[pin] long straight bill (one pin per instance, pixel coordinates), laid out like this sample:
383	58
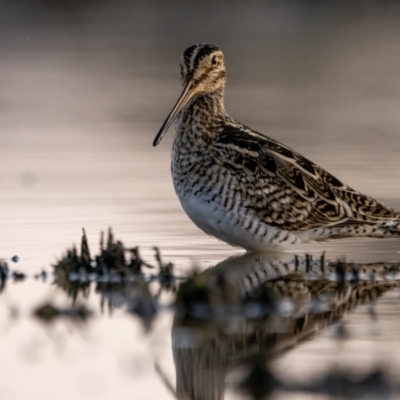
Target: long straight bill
182	101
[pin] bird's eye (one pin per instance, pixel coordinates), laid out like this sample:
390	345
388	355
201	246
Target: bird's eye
214	60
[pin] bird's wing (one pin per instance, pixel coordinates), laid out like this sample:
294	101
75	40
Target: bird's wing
286	189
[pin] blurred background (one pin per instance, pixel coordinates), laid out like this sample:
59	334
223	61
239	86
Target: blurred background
86	84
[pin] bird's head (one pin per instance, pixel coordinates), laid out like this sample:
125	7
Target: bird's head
202	72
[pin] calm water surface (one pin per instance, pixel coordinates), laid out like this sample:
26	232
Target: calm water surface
75	151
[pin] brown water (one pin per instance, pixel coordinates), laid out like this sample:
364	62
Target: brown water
79	111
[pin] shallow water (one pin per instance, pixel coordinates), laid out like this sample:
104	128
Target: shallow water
79	111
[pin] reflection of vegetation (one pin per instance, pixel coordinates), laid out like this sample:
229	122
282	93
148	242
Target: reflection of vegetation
48	313
114	263
135	296
117	273
3	274
6	273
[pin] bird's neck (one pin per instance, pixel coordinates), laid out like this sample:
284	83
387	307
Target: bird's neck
200	119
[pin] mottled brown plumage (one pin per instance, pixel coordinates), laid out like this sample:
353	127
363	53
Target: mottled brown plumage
248	189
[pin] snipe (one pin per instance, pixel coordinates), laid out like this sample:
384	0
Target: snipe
248	189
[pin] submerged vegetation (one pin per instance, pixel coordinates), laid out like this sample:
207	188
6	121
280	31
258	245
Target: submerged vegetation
114	269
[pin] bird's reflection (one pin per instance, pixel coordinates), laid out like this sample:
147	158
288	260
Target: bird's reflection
261	305
244	311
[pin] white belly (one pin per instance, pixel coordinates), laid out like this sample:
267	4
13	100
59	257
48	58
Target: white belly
232	227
